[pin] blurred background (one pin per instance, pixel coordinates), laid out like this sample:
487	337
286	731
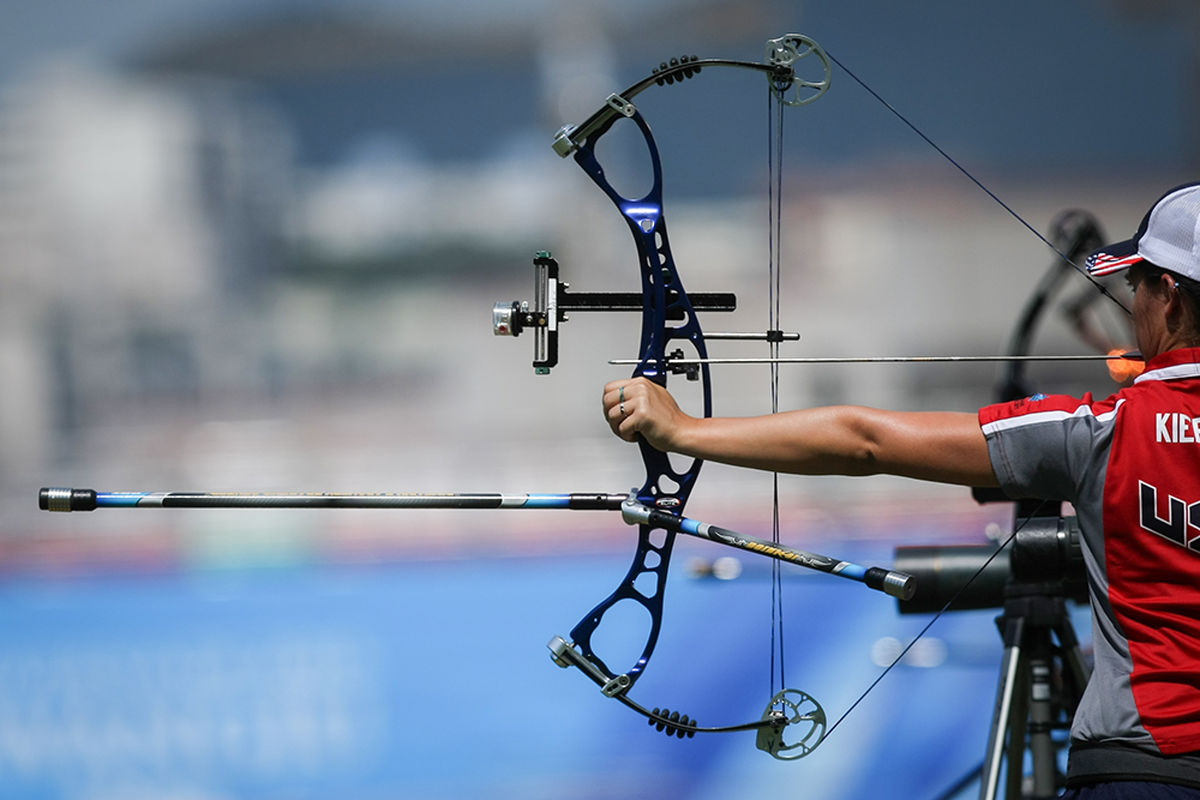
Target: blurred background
253	245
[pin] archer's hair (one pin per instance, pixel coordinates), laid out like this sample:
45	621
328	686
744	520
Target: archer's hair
1189	289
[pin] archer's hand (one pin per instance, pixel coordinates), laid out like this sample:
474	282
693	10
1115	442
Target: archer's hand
640	406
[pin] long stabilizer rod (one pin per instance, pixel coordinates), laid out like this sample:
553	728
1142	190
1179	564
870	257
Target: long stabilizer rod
897	584
50	499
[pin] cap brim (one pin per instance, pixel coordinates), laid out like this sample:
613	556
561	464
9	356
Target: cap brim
1113	258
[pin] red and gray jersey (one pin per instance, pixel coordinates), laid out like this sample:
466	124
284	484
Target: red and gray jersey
1130	465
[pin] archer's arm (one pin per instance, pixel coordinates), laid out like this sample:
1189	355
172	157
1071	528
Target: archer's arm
834	440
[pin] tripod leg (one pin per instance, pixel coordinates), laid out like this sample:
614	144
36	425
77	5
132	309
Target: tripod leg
1018	721
1005	711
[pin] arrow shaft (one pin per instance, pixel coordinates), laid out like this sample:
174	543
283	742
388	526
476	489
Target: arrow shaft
881	359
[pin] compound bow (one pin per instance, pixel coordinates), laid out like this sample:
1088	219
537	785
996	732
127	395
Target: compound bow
668	320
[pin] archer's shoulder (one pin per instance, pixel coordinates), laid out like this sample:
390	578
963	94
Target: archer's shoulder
1044	408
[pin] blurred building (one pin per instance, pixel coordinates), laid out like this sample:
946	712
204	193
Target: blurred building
141	221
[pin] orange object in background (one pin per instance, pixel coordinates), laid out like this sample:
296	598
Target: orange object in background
1124	370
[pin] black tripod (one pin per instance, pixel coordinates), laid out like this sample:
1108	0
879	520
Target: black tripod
1043	672
1040	687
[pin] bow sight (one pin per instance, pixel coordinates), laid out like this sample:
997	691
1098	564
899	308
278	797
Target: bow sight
552	301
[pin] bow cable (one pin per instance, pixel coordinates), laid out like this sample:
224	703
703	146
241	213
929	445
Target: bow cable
774	258
1019	525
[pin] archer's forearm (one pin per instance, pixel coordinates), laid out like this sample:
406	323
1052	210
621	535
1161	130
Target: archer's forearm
845	440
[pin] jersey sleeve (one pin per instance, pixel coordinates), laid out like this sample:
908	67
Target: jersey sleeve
1048	446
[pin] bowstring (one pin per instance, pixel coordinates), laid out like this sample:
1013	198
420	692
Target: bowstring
978	183
775	112
940	613
1023	522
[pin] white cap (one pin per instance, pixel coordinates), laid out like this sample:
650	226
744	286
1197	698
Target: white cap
1169	238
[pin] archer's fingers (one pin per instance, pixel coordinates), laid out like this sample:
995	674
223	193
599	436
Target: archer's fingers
620	405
